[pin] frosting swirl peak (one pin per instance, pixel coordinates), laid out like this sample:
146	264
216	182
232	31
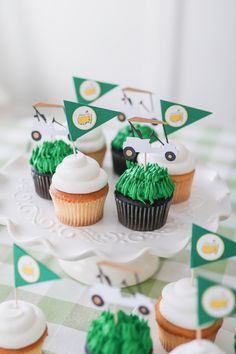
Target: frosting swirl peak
20	326
79	174
198	347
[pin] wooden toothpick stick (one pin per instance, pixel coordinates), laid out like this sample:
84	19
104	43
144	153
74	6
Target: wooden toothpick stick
16	299
199	333
145	162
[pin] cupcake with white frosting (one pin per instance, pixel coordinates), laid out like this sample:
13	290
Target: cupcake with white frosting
176	315
93	145
78	190
23	328
198	346
181	170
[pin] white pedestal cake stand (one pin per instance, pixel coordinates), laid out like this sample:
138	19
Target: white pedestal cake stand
31	222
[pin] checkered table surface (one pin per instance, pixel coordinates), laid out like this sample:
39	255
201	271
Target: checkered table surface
65	302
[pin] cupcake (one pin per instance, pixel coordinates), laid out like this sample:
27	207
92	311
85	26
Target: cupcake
129	334
198	346
118	159
181	170
93	145
44	160
176	315
23	329
78	190
143	198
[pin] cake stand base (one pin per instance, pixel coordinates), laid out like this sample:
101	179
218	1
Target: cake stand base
86	270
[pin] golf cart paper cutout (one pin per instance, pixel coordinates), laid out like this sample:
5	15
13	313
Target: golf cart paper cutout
44	127
83	118
136	144
208	247
87	91
132	107
215	300
28	270
178	116
104	294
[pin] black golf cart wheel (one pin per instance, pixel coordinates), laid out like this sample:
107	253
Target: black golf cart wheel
170	156
36	135
144	310
129	153
121	117
97	300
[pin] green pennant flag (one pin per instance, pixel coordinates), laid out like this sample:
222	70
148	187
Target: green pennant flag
215	300
81	119
178	116
88	90
28	270
208	247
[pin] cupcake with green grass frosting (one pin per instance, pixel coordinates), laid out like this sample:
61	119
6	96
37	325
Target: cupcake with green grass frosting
119	162
143	197
129	335
44	160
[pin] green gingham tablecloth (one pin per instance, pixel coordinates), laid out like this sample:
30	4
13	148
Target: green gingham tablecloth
65	302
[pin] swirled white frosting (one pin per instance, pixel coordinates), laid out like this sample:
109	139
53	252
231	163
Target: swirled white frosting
179	304
79	174
183	163
20	326
91	142
198	347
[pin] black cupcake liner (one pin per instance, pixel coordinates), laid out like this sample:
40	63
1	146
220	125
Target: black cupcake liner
138	216
119	162
42	183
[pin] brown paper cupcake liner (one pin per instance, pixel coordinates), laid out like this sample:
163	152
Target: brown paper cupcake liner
183	186
42	183
98	155
35	348
172	336
139	216
79	210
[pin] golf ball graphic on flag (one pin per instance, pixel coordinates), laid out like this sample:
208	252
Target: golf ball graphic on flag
84	118
28	269
176	116
218	301
90	90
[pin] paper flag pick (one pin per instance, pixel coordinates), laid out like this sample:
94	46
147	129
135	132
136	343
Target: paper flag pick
28	270
88	90
208	247
178	116
215	300
81	119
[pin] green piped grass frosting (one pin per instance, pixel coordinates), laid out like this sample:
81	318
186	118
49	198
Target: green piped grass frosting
130	335
145	186
147	132
46	157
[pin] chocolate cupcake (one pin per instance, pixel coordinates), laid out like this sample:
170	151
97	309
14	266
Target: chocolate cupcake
129	334
143	198
119	162
44	160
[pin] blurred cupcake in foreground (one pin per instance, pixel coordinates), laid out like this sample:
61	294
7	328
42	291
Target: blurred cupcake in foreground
78	190
23	329
181	170
44	160
143	198
198	346
118	159
176	315
93	144
129	334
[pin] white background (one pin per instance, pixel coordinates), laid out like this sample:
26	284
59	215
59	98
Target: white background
184	50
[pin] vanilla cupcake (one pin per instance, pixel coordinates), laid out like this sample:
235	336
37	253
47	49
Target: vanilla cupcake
78	190
198	346
176	315
181	170
23	329
93	145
